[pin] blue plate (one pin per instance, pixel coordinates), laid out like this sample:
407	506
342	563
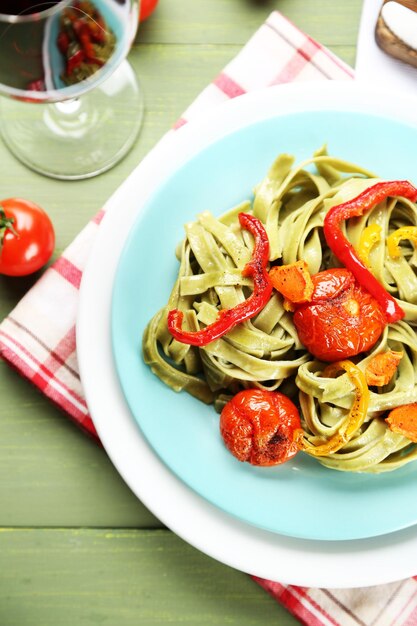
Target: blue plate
301	498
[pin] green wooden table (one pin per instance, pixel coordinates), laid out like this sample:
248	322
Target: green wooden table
76	547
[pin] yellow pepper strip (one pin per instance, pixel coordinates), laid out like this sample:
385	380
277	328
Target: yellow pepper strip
353	421
370	236
406	232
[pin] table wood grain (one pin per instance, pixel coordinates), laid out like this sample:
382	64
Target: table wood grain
76	547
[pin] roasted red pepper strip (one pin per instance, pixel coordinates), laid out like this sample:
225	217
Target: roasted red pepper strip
63	42
82	30
344	250
229	318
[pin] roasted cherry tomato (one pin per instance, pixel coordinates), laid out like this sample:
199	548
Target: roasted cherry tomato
259	427
341	320
146	8
27	237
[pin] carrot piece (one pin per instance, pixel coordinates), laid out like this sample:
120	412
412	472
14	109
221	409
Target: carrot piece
382	367
293	281
403	420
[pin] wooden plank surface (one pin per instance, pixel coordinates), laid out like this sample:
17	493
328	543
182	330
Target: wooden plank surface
234	21
63	558
111	577
51	474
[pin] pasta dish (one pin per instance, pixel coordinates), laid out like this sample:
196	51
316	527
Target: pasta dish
294	313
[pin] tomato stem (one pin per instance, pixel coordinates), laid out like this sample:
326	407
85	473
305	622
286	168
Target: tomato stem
6	223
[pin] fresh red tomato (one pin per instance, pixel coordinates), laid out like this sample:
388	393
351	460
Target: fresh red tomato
259	426
341	320
27	237
146	8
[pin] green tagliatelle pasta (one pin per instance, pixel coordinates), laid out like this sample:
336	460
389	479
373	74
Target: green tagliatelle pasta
265	352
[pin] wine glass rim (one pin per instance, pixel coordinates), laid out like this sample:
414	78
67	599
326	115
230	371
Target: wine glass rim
30	17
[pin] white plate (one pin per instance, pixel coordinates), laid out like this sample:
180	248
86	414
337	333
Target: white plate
268	555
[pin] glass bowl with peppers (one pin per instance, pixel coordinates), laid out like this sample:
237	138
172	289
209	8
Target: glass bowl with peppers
68	57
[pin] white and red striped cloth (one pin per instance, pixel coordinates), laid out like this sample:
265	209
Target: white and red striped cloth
38	337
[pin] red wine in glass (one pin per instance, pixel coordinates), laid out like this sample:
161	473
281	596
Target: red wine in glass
47	46
23	7
55	51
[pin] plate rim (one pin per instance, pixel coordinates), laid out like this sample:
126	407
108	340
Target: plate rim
262	103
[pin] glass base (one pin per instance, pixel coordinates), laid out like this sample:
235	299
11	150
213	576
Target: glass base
78	138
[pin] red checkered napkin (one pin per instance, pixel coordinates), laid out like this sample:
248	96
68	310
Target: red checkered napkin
38	337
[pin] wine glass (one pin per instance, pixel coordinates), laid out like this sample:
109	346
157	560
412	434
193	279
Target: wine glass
74	106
